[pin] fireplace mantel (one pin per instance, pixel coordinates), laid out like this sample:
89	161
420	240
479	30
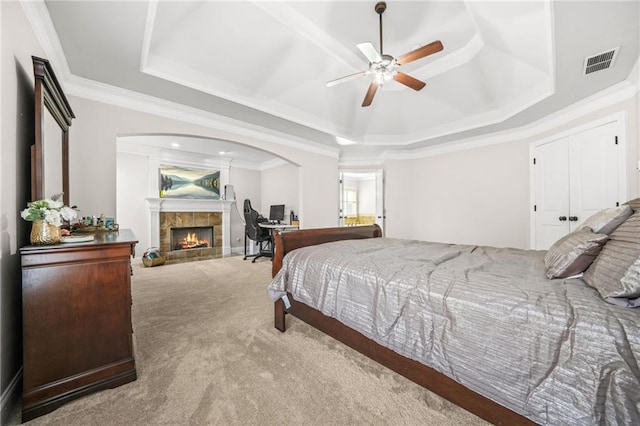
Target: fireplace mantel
157	205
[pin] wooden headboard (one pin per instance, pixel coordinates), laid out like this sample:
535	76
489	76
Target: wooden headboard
288	241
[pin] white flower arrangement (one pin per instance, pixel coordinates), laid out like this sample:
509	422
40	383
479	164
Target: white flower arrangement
51	210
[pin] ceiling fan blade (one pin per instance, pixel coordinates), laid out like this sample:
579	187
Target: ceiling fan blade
409	81
345	78
420	52
368	98
370	52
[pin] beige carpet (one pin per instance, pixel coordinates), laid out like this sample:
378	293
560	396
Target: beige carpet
207	354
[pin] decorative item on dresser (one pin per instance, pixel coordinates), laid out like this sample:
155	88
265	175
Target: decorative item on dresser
47	216
77	333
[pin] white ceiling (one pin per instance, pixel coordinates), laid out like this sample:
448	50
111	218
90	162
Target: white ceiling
504	64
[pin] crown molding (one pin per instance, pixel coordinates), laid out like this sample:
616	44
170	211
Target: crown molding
608	97
272	164
40	20
89	89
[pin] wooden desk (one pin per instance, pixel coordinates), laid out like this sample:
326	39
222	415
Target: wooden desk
282	227
273	227
76	309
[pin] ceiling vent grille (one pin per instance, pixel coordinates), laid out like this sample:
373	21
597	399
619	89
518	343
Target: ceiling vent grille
600	61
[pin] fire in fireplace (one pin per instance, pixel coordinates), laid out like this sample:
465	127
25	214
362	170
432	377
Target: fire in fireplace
193	237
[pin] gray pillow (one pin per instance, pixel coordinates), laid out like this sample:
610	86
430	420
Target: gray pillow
573	253
635	204
607	220
616	270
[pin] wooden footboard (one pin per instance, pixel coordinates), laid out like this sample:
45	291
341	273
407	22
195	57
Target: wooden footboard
287	241
413	370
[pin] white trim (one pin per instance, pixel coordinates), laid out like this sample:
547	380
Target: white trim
157	205
10	395
620	118
634	75
610	96
89	89
376	162
271	164
152	10
40	20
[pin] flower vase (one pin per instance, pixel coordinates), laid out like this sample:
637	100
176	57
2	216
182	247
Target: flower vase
43	233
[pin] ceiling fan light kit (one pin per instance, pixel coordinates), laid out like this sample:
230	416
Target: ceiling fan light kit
383	67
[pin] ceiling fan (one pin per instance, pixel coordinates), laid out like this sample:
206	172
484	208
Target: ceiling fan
384	67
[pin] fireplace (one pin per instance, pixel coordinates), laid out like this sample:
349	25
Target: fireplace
192	237
167	213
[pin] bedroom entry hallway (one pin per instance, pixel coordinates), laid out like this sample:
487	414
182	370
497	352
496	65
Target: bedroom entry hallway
361	197
207	353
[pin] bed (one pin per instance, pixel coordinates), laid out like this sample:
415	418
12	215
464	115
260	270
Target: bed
483	327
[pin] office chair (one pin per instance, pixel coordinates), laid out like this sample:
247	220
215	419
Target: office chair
253	231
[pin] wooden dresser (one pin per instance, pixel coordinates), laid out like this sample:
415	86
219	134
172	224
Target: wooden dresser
77	334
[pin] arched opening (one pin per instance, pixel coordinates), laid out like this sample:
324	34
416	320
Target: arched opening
245	171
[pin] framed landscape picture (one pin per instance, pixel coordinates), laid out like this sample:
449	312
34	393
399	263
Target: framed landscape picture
185	182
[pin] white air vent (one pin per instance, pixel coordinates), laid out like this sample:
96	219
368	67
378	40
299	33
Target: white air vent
600	61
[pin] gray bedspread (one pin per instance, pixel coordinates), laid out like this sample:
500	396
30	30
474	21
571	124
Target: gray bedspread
551	350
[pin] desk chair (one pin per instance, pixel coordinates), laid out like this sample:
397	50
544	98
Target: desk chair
252	231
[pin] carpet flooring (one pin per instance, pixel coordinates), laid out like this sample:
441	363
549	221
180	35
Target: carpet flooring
207	354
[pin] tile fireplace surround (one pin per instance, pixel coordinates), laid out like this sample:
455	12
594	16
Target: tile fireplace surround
169	212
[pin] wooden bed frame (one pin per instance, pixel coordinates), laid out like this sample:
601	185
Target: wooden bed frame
412	370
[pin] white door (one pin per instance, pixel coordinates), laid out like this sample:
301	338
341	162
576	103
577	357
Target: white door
574	177
341	199
594	173
380	214
551	165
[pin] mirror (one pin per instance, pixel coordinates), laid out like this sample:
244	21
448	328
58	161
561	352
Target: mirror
50	151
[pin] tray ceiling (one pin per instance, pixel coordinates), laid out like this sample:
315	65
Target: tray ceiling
267	63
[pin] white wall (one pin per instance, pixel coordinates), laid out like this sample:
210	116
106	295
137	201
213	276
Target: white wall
481	195
93	159
367	196
18	43
247	185
478	196
280	186
132	209
399	194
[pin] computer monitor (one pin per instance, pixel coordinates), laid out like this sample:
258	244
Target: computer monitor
276	213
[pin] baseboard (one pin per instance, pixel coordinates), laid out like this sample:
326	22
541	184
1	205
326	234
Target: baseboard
9	398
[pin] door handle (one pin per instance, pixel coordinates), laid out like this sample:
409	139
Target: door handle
562	218
573	218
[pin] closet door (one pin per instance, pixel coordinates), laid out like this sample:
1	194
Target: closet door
551	192
573	178
594	173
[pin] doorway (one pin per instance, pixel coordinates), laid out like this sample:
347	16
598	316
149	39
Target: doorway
361	198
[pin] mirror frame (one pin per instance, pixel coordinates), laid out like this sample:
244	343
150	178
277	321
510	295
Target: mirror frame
48	93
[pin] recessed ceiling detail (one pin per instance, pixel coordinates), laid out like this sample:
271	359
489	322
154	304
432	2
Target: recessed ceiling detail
491	70
261	67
